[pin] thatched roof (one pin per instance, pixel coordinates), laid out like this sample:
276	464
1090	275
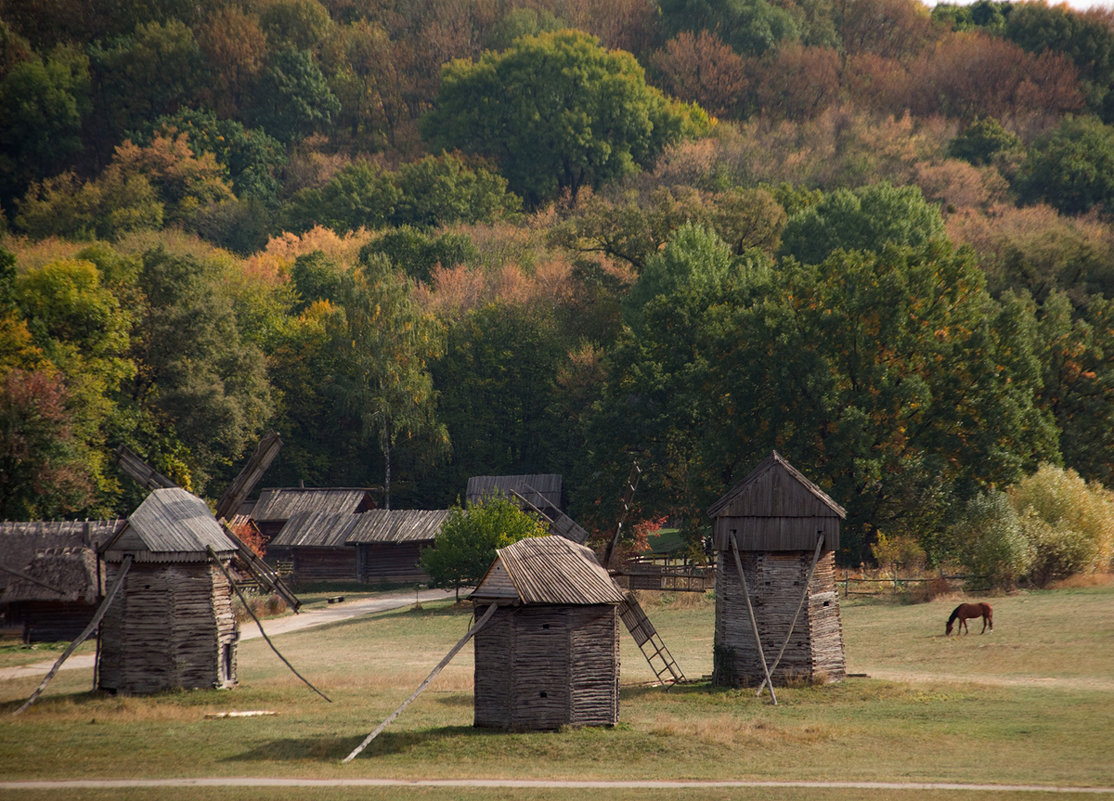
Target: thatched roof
280	504
397	525
546	485
547	570
69	575
764	493
20	541
315	530
170	525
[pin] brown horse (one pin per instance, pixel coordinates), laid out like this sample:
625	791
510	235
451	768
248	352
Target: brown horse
965	611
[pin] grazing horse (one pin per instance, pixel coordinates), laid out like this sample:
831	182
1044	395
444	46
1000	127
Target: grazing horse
965	611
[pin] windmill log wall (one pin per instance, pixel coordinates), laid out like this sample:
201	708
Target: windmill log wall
172	626
780	522
543	667
776	581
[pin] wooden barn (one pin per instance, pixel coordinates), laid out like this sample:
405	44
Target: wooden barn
171	624
542	491
780	532
57	594
388	543
50	578
549	655
276	506
315	545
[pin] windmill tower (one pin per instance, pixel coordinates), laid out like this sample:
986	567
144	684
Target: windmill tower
775	535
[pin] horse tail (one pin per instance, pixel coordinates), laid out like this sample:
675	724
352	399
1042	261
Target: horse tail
989	616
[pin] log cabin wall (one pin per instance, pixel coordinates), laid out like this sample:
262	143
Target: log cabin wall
171	627
538	668
776	582
391	563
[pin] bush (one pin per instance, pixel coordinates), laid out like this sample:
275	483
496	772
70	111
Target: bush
991	543
1068	521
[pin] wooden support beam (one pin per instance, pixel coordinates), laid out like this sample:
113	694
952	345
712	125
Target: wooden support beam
421	687
804	596
116	585
753	619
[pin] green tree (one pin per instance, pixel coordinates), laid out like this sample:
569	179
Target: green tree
556	112
862	219
292	97
417	253
751	27
441	190
154	71
891	378
360	195
465	547
1072	167
200	382
496	378
43	103
383	346
983	142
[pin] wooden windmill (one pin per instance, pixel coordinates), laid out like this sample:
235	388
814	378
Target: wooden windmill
775	535
166	620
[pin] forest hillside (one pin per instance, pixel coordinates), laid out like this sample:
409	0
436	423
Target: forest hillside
432	239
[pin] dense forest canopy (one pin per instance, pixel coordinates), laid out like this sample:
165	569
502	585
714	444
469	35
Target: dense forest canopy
428	240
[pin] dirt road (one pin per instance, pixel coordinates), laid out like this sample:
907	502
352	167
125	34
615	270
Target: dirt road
319	616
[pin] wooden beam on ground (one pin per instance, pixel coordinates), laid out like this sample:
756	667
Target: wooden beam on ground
753	619
421	687
116	585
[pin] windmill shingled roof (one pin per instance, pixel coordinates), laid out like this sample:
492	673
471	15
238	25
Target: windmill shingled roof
554	570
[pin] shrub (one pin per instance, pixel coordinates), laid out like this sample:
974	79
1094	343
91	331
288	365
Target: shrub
991	544
1068	521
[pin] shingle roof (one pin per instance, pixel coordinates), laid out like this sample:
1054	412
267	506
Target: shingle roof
172	524
548	570
397	525
548	485
283	503
70	571
775	461
315	530
19	541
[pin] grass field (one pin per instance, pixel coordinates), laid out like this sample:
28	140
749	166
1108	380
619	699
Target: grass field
1032	703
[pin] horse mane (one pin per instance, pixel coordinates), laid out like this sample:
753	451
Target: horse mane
955	614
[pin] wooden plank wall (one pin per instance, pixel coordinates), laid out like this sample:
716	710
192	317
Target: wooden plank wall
169	629
324	564
51	621
383	563
776	580
542	667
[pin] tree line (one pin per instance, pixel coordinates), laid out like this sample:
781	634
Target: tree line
436	240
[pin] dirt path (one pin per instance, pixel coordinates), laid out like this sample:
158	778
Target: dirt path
1057	683
101	784
319	616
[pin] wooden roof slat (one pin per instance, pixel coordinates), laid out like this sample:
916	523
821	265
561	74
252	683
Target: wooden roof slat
551	570
397	525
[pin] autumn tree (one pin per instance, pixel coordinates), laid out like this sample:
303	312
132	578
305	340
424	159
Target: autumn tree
750	27
700	68
581	115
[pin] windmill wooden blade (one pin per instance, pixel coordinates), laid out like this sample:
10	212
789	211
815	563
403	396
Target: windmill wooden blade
559	522
262	571
628	495
143	473
265	453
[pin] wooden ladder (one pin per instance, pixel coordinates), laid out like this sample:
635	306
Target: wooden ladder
644	633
